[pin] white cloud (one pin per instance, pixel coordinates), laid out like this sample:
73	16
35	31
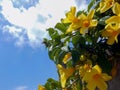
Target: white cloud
51	10
21	88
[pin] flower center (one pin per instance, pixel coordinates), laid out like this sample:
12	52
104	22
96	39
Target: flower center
86	23
114	33
96	76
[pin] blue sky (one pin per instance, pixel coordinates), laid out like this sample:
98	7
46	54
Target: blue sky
24	62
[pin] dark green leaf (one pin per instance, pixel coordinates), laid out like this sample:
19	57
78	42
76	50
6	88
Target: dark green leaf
91	4
61	27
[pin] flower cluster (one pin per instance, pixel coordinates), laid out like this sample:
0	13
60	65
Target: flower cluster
84	46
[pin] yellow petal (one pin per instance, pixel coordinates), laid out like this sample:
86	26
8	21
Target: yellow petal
70	29
65	73
73	10
82	17
70	15
91	14
97	68
116	9
91	85
111	41
93	23
101	84
41	87
83	30
105	5
113	19
89	75
106	77
66	20
116	38
73	27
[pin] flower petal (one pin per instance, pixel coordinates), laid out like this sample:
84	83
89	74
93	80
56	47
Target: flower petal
113	19
97	68
83	30
65	73
101	84
93	23
106	77
91	85
116	9
111	40
91	14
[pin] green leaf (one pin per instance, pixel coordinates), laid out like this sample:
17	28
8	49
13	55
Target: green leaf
77	39
91	4
52	84
52	53
61	27
51	31
102	20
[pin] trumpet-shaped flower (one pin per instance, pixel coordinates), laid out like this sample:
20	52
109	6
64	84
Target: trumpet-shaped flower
115	18
65	73
87	21
41	87
66	58
95	78
111	31
105	5
72	19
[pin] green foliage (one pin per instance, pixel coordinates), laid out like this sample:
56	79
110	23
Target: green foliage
91	4
89	49
52	84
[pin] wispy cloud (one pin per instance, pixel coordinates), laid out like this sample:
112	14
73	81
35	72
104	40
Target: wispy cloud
24	88
21	88
29	25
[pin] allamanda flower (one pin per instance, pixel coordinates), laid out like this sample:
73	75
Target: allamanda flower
72	19
111	31
95	78
65	73
105	5
115	18
87	21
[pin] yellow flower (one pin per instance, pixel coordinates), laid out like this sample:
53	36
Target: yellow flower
66	58
87	21
105	5
115	18
83	69
111	31
41	87
65	73
95	78
72	19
